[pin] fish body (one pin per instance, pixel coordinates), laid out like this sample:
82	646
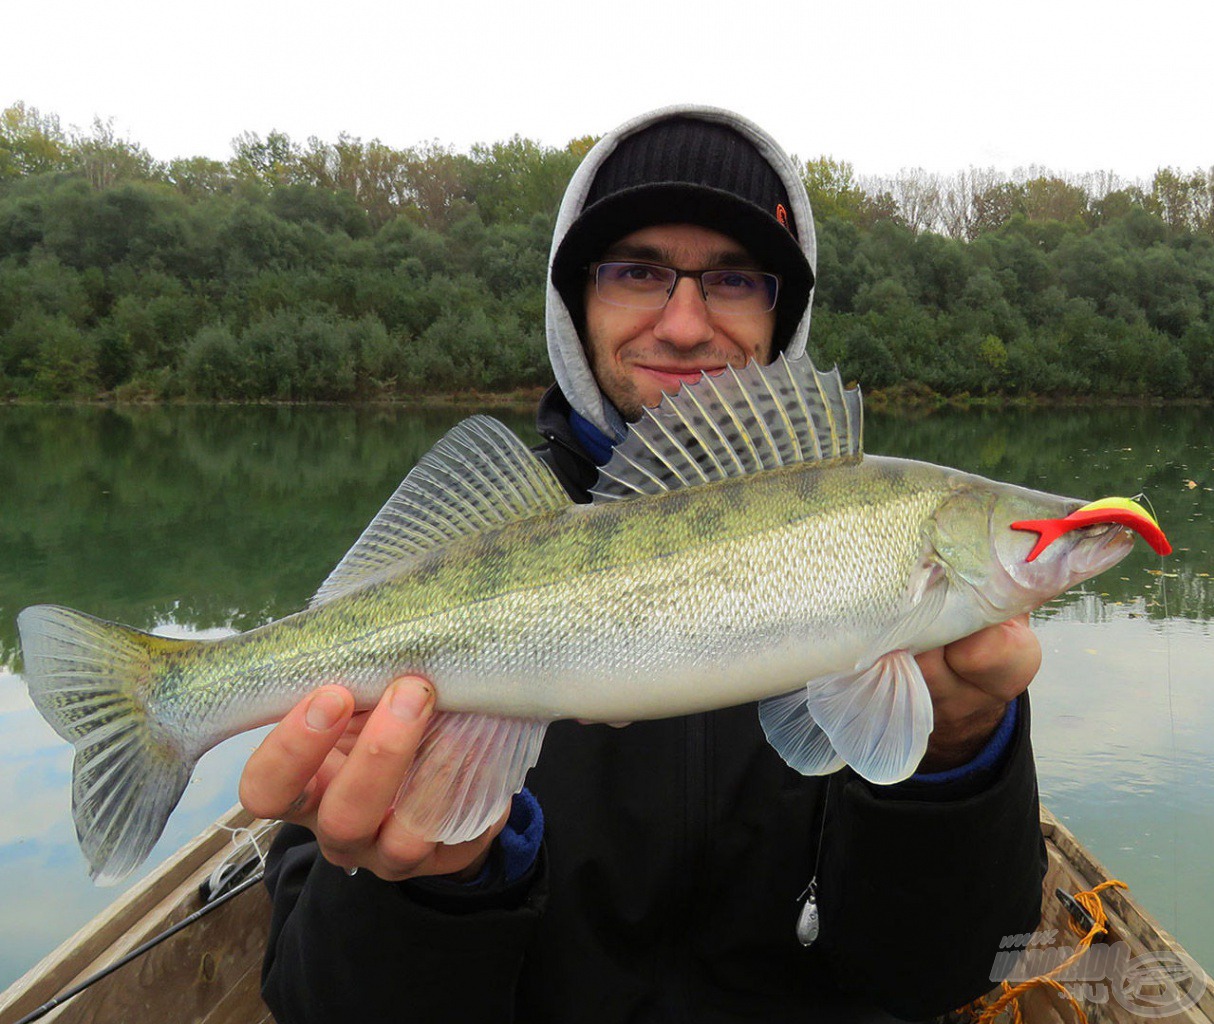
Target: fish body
740	548
575	614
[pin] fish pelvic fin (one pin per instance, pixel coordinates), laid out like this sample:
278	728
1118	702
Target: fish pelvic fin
91	680
878	719
797	738
466	770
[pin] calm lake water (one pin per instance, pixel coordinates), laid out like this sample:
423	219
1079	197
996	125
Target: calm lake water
201	519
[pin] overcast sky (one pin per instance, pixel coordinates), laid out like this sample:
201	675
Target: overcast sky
1073	86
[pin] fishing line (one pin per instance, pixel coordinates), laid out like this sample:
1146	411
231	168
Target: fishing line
1167	647
808	920
215	891
138	951
233	865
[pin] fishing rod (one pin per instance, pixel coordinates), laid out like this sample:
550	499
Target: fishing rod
214	890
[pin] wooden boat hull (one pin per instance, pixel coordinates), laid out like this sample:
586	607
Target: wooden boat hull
209	973
1159	968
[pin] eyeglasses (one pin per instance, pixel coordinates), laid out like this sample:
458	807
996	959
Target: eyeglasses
649	286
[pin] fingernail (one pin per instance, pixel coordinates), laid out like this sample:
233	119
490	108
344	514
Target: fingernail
325	710
409	700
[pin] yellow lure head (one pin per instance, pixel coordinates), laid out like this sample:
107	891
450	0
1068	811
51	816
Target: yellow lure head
1122	511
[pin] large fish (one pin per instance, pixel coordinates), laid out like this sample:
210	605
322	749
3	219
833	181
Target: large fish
740	547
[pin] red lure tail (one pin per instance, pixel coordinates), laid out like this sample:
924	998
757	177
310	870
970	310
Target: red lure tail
1122	511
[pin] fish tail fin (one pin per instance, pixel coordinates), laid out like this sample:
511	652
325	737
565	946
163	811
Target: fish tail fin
467	769
91	680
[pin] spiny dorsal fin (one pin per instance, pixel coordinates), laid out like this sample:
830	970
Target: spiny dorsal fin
734	424
478	476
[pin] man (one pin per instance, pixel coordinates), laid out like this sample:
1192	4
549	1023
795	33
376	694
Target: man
655	873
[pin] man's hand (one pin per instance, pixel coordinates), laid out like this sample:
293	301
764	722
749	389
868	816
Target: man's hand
972	681
338	773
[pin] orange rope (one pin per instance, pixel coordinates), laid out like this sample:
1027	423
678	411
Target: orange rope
1010	995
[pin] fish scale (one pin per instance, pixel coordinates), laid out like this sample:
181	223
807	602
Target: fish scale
723	561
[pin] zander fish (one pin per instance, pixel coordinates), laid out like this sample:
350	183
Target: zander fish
739	547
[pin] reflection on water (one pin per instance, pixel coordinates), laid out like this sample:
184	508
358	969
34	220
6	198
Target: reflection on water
1122	728
193	518
206	518
209	517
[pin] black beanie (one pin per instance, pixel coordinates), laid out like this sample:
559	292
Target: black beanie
683	170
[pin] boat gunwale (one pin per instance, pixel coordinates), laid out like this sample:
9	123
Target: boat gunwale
171	892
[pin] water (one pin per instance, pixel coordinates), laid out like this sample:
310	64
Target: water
203	520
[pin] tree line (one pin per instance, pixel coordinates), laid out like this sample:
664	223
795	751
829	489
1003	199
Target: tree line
351	269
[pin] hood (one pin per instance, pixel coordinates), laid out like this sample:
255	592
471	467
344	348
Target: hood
565	351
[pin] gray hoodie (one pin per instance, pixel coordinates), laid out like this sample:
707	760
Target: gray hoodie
565	351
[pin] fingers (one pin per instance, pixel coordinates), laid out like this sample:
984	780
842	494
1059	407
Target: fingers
279	780
1001	660
971	682
358	824
338	773
400	854
356	803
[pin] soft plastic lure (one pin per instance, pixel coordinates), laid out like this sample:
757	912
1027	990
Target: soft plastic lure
1123	511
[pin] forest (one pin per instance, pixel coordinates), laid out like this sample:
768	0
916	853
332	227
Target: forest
353	270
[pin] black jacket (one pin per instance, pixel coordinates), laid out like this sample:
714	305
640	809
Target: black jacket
667	888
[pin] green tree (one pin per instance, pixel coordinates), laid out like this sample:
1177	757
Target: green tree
834	193
66	361
375	176
995	205
1184	201
214	366
512	181
269	162
1048	198
199	176
30	143
105	159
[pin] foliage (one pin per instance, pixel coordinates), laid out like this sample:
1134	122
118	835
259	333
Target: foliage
311	271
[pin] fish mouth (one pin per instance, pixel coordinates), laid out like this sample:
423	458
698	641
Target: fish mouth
1083	552
1099	547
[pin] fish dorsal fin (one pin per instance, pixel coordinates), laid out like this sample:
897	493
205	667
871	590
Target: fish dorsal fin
734	424
479	475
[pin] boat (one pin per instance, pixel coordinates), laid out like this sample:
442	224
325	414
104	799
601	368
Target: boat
208	972
1142	973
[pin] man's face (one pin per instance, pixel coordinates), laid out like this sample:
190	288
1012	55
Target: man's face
636	354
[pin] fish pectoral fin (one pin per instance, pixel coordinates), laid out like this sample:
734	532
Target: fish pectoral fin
926	592
466	770
878	719
797	738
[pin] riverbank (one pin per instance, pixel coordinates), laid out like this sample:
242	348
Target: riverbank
910	399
